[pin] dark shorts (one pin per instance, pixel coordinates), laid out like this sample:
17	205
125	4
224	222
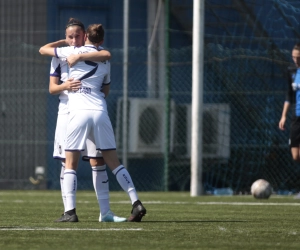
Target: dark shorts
295	133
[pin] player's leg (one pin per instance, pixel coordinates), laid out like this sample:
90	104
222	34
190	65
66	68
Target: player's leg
295	139
100	181
59	147
79	126
70	185
296	157
121	173
294	142
295	154
125	181
62	171
105	140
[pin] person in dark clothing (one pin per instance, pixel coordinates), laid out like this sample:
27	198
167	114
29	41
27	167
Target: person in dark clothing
293	102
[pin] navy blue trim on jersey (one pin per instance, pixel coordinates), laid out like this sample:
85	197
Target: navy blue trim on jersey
55	52
106	83
89	74
92	46
57	72
91	63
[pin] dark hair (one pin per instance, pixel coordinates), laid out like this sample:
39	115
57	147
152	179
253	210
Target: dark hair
297	46
95	33
73	21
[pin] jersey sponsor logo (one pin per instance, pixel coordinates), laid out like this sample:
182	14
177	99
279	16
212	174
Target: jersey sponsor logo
84	90
92	72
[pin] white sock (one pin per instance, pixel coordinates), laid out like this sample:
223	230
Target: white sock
101	186
124	179
62	183
70	188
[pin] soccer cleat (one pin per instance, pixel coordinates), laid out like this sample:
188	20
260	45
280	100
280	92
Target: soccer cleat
137	212
67	218
111	217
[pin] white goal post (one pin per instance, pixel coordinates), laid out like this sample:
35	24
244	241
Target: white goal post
197	98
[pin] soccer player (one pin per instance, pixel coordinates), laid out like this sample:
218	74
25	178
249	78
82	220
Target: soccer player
293	101
59	72
89	118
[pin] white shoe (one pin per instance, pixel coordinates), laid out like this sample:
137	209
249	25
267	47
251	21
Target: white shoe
111	217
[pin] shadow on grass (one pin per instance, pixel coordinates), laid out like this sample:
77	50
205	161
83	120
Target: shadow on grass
195	221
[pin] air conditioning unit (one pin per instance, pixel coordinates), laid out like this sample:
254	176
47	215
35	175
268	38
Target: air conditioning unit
216	130
146	125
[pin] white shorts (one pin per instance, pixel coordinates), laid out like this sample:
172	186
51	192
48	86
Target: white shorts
84	124
89	151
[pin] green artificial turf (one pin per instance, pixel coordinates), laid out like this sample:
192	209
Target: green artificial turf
174	220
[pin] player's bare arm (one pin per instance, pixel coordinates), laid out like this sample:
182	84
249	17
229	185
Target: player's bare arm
98	56
56	88
48	49
284	115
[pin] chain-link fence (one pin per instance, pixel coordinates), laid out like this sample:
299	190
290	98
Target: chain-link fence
244	89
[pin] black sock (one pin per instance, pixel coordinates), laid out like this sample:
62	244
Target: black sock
71	212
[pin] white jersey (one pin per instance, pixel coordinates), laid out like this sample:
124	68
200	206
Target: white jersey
59	68
92	75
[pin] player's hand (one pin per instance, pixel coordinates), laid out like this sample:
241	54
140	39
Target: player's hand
282	123
72	85
72	59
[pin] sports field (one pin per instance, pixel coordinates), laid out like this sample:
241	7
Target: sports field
174	221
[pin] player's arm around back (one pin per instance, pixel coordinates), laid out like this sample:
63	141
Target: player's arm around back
48	49
55	88
97	56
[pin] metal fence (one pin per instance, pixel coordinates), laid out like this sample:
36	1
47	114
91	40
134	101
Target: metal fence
244	88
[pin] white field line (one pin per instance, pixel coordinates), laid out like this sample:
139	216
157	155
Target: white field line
225	203
66	229
219	203
248	203
176	203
